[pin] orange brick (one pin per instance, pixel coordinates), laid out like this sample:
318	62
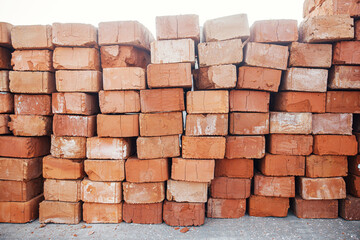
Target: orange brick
332	123
305	80
286	144
24	147
6	102
144	192
357	30
354	165
32	82
32	60
290	123
274	31
258	78
249	123
203	147
124	78
76	58
62	168
261	206
74	125
32	104
344	77
102	212
162	100
62	190
321	188
182	51
78	81
234	168
31	37
20	191
161	124
314	208
158	147
4	121
282	165
101	192
274	186
206	124
68	147
115	56
4	77
326	166
169	75
234	188
141	171
310	55
20	169
215	77
249	101
226	208
349	208
150	213
181	191
60	212
109	148
346	53
119	101
192	170
184	214
331	7
335	145
207	101
74	35
343	101
245	147
74	103
118	125
353	185
30	125
5	58
105	170
299	102
5	34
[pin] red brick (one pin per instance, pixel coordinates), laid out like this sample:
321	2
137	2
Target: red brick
182	191
140	171
6	102
74	35
101	192
5	34
115	56
349	208
266	55
20	191
335	145
184	214
215	77
234	168
169	75
62	190
258	78
158	147
32	82
207	101
75	103
60	212
282	165
161	124
162	100
310	55
290	123
226	208
206	124
331	7
78	81
270	186
32	60
321	188
245	147
24	147
286	144
274	31
62	168
249	101
299	102
4	121
4	77
182	51
220	53
332	123
353	185
20	169
5	58
249	123
124	78
144	192
260	206
76	58
314	208
354	165
74	125
344	77
346	53
150	213
102	212
326	166
119	101
192	170
32	104
233	188
105	170
118	125
305	80
31	37
203	147
343	101
357	30
68	147
109	148
30	125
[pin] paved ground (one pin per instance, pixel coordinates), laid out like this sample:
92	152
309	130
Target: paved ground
244	228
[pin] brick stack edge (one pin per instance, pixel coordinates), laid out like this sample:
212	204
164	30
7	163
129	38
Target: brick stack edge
192	124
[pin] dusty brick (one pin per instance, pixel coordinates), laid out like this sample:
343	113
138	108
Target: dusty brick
141	171
74	125
20	191
332	123
6	102
299	102
286	144
314	208
305	80
349	208
60	212
78	81
354	165
4	77
233	188
282	165
30	125
192	170
274	31
207	101
169	75
32	104
290	123
32	82
331	7
62	190
119	101
31	37
115	56
184	214
234	168
76	58
266	55
4	121
249	101
203	147
74	103
245	147
5	58
5	34
206	124
353	185
181	191
346	53
24	147
270	186
335	145
310	55
158	147
62	168
101	192
105	170
74	35
258	78
219	53
215	77
343	101
344	77
249	123
32	60
118	125
161	124
102	212
144	192
261	206
109	148
68	147
20	169
321	188
326	166
124	78
150	213
162	100
226	208
182	51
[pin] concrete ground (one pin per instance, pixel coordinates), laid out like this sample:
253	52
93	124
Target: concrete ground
244	228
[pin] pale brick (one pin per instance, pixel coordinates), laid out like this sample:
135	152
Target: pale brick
76	58
305	80
74	35
344	77
144	192
78	81
32	60
290	123
68	147
124	78
207	101
30	125
101	192
182	51
310	55
332	123
109	148
274	31
31	37
181	191
74	103
158	147
206	125
32	82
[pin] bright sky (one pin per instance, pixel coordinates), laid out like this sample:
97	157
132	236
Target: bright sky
25	12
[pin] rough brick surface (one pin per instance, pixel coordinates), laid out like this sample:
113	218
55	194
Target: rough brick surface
5	58
4	80
184	214
60	212
245	147
290	123
150	213
346	53
282	165
260	206
287	144
354	165
102	212
353	185
158	147
203	147
343	101
192	170
234	168
206	124
68	147
226	208
216	77
332	123
181	191
105	170
162	100
32	60
349	208
124	78
169	75
274	31
357	30
76	58
152	170
30	125
270	186
144	192
6	103
344	77
74	125
310	55
118	125
4	121
326	166
101	192
314	208
119	101
32	82
62	168
207	101
32	104
109	148
183	51
74	35
249	123
335	145
74	103
24	147
305	80
299	102
20	169
249	101
321	188
331	7
161	124
20	191
5	34
62	190
78	81
258	78
32	37
233	188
